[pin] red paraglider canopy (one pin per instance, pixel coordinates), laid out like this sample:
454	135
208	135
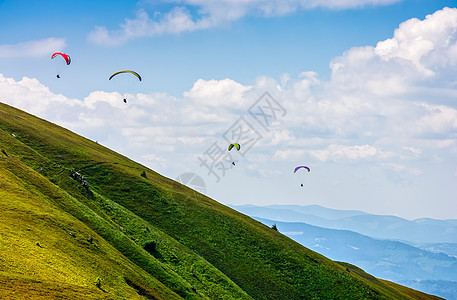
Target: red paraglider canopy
65	56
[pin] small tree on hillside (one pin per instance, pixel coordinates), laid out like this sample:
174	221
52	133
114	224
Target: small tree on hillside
274	227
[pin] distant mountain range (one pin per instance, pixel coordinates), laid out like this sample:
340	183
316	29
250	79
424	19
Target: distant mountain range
429	267
379	226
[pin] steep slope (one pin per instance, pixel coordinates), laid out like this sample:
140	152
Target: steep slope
98	213
189	245
48	253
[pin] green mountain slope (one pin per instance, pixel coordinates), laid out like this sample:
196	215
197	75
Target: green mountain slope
79	219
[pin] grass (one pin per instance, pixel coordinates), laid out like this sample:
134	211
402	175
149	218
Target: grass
45	250
202	249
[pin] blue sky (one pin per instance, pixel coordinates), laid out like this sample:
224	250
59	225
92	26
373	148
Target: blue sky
367	88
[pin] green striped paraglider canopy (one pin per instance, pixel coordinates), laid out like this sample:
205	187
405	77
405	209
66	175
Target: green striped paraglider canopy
236	145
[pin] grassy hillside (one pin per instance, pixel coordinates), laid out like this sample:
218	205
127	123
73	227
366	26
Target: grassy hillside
46	252
82	220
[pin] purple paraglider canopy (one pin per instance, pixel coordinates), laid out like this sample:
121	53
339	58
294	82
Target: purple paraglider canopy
300	167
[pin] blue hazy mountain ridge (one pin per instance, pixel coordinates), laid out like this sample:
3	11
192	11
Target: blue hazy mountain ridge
320	211
447	248
423	230
430	272
452	221
395	260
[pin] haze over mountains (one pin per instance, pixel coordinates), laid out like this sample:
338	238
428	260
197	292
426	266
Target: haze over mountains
380	226
428	266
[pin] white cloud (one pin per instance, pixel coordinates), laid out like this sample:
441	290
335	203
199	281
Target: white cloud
368	111
219	93
178	20
412	151
403	169
428	44
32	95
343	153
210	14
439	119
386	111
155	122
36	48
99	97
397	88
287	155
281	136
417	51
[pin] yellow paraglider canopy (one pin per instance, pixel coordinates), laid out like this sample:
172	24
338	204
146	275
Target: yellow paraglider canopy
126	71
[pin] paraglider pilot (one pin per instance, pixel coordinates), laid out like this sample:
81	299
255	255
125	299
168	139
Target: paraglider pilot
66	57
301	167
236	146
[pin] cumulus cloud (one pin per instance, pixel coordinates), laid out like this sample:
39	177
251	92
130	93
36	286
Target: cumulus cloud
438	119
216	93
423	43
176	21
398	85
35	48
344	153
30	94
389	102
387	110
150	122
288	154
417	51
209	14
380	104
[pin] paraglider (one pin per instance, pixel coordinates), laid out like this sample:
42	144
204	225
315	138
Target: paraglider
236	146
301	167
127	71
59	67
135	74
